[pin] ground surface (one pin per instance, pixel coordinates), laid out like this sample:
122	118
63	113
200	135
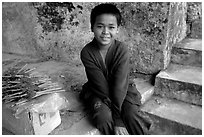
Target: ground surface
69	75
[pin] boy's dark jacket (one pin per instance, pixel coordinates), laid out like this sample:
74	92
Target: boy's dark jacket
109	82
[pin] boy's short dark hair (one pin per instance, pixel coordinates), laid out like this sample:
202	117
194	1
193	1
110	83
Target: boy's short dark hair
103	9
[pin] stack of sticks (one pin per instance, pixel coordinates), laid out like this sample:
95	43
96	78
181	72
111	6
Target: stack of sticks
22	85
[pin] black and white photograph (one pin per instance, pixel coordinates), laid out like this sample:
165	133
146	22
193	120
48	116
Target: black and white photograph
101	68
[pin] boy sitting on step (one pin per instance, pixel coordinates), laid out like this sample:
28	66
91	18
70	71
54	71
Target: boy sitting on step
114	100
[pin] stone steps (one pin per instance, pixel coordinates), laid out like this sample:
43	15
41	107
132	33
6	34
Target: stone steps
176	105
75	118
81	127
180	82
187	52
145	88
173	117
84	125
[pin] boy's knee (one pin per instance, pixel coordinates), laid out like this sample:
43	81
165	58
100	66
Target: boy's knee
102	114
103	119
129	112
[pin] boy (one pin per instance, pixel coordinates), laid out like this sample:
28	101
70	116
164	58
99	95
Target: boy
114	100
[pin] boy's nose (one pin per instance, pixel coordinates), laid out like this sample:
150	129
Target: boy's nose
105	30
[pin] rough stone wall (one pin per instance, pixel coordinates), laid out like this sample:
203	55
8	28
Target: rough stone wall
59	31
194	20
176	29
18	29
145	25
152	30
63	29
37	29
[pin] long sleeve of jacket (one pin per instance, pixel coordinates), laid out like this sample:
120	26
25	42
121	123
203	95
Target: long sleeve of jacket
120	83
94	73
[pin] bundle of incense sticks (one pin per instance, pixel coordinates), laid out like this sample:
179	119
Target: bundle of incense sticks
24	84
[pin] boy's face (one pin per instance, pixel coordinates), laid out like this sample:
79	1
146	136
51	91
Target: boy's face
105	29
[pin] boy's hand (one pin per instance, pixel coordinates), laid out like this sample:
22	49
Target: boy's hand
120	131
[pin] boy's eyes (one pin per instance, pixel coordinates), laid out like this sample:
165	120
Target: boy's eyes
110	27
99	26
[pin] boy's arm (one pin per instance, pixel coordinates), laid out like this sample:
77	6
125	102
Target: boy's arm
94	75
120	84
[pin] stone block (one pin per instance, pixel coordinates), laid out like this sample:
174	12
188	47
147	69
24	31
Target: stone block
196	30
151	49
187	52
176	30
145	88
76	125
180	82
173	117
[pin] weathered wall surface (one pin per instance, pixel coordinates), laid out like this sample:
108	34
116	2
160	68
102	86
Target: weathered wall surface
63	29
194	20
38	29
152	31
145	25
176	29
60	30
18	29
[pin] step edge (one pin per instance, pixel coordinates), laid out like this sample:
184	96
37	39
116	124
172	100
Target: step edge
145	96
187	48
179	80
182	44
165	74
197	126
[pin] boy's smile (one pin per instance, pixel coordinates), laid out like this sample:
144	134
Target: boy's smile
105	29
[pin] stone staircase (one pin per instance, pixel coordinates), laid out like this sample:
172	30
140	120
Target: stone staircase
176	105
175	101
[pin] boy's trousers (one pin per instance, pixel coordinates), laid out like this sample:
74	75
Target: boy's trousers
135	121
